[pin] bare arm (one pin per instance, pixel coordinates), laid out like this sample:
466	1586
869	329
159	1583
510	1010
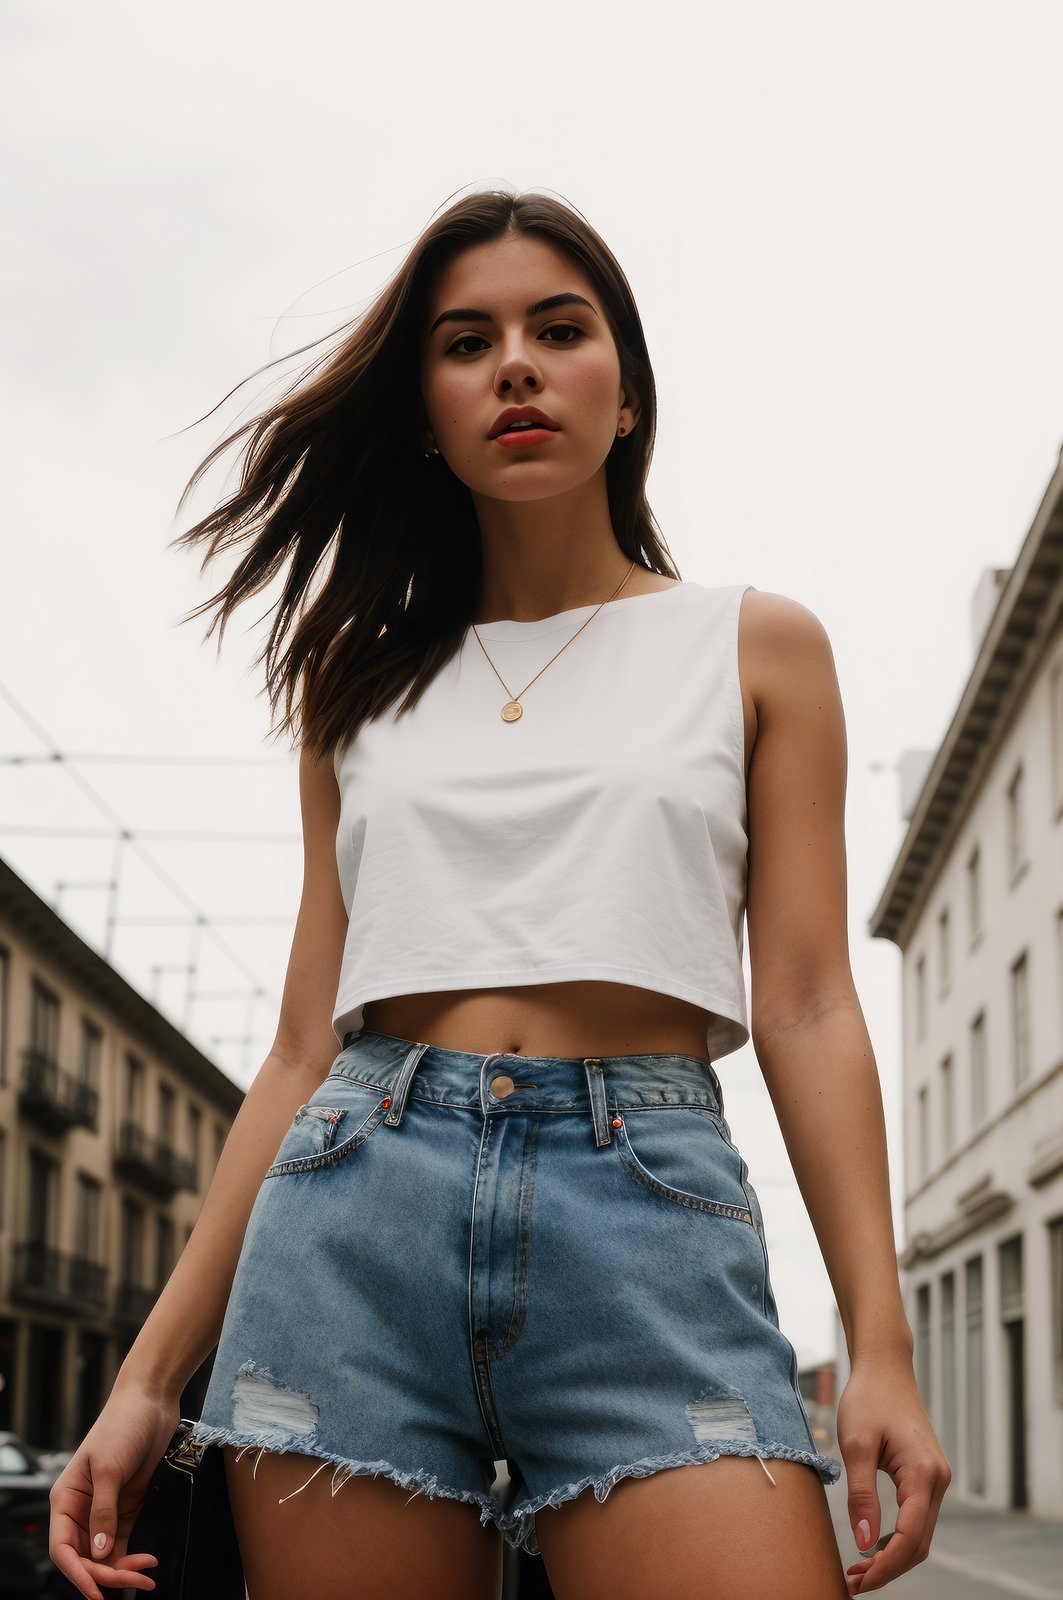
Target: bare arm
185	1323
812	1044
807	1025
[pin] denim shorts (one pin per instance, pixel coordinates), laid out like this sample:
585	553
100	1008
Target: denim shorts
553	1263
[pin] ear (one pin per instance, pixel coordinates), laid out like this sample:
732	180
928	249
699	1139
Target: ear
630	407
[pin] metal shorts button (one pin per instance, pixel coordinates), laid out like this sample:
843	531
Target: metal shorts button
502	1085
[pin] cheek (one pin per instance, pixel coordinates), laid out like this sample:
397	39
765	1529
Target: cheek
454	403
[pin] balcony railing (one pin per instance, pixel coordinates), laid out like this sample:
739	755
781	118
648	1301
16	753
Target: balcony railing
132	1304
152	1163
54	1099
57	1280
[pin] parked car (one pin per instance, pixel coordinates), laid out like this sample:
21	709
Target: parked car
25	1565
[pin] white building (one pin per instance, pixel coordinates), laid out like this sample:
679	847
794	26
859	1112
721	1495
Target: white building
975	904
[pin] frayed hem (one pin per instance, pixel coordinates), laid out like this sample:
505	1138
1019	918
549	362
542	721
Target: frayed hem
421	1482
518	1525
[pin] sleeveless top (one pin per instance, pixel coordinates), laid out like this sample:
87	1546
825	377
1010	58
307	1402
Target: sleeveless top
602	835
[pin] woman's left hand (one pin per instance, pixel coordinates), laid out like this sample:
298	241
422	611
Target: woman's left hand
882	1425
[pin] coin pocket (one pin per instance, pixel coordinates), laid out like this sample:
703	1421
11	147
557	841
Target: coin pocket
681	1156
321	1134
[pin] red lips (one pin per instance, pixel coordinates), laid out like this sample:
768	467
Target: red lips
522	414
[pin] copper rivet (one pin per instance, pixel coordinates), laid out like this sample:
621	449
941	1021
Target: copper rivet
618	1122
386	1100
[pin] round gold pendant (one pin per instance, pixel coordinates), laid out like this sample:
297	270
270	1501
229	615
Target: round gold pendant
512	710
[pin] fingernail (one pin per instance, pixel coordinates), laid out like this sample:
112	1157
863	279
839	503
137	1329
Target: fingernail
863	1533
100	1540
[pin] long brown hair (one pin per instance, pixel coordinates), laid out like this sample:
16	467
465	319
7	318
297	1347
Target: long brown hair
337	467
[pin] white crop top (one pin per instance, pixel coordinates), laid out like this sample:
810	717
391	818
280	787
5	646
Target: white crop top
602	835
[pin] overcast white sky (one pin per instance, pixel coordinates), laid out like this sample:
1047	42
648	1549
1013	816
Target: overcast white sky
841	226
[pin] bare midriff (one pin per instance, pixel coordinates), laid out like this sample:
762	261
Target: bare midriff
582	1018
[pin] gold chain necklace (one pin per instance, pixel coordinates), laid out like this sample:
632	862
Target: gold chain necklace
513	709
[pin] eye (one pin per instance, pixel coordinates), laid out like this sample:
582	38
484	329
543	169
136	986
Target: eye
455	348
555	327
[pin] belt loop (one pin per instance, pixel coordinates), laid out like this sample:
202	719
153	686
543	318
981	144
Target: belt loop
595	1070
401	1091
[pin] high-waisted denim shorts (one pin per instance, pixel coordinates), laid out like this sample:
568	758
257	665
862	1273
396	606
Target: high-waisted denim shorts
556	1263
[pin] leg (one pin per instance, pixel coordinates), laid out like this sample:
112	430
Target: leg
717	1530
372	1540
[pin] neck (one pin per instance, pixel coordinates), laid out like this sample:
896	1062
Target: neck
543	556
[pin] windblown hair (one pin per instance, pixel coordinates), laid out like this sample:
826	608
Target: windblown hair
337	466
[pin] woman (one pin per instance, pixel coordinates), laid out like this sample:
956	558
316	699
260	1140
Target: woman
542	779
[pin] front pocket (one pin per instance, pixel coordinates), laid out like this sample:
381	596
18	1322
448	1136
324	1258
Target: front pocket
321	1134
679	1154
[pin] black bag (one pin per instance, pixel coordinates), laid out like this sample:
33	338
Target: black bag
187	1522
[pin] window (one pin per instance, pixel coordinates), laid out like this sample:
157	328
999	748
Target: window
132	1242
195	1129
1055	687
91	1050
1011	1290
1055	1255
44	1021
1020	1021
43	1213
944	953
979	1072
5	1002
920	998
134	1089
87	1219
163	1251
975	1377
974	893
1016	824
922	1342
1059	952
167	1114
948	1110
923	1131
948	1364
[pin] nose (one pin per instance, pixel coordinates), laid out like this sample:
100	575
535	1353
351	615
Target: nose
517	369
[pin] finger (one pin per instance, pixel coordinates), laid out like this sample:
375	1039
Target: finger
118	1577
103	1517
900	1555
70	1564
134	1563
861	1458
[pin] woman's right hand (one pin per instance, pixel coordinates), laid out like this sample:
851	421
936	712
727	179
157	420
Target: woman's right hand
101	1491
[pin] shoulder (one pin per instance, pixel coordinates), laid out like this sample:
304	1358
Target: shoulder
779	637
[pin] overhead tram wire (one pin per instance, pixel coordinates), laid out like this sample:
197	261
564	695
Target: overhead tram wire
127	836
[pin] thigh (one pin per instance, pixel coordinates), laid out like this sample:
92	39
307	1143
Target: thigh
717	1530
371	1540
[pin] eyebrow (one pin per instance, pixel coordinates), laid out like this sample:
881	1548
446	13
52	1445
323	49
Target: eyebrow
464	314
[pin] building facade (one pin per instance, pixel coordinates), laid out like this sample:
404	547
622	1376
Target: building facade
975	904
111	1124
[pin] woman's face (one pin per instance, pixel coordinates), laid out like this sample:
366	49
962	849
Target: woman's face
500	353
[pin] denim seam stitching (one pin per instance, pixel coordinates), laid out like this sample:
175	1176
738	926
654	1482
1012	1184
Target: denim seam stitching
717	1208
520	1276
334	1153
